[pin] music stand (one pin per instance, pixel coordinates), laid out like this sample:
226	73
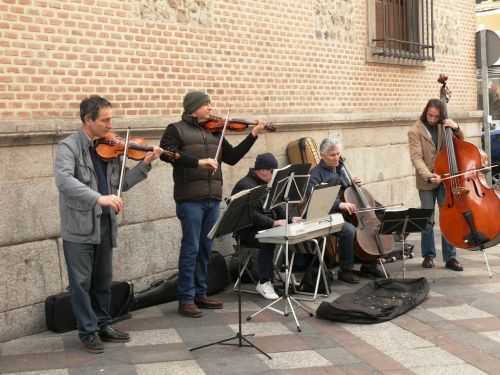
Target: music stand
403	222
237	216
289	185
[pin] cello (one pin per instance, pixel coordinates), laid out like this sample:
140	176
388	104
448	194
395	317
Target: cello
370	245
469	211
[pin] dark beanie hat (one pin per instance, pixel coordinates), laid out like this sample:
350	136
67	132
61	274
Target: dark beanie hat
194	100
266	161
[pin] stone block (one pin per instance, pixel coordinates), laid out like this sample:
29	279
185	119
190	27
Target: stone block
395	191
151	199
21	163
376	136
147	248
379	163
23	321
405	191
62	263
29	210
260	145
29	273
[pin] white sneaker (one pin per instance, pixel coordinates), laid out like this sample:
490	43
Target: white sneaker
266	290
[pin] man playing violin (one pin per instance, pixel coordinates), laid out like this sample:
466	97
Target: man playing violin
426	138
197	193
329	170
88	208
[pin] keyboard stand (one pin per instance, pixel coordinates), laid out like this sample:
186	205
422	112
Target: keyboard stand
320	254
289	300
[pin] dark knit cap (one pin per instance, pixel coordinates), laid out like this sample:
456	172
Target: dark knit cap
266	161
194	100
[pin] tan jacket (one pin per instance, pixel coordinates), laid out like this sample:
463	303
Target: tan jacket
423	152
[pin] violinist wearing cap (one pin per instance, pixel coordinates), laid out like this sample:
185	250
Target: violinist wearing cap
197	193
88	207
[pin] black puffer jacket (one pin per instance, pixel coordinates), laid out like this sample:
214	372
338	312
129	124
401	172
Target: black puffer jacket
193	142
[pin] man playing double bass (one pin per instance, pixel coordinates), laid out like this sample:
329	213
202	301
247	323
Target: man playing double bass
426	138
197	194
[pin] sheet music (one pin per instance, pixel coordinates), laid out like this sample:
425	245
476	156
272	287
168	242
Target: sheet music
321	201
281	188
237	210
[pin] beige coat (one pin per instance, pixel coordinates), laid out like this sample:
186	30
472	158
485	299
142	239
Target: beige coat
423	152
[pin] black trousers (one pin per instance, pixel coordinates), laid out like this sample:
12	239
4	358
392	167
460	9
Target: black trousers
90	272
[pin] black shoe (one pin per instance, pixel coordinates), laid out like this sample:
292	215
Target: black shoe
372	270
454	265
93	344
348	276
428	262
110	334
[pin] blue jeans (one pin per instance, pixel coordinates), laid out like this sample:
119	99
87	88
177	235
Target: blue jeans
90	273
197	218
428	200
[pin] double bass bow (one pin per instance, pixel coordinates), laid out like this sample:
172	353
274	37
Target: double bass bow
469	210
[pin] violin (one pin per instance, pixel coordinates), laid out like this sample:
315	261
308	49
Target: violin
112	146
370	245
215	124
468	212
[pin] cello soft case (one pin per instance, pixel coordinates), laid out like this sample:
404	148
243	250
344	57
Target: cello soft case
303	150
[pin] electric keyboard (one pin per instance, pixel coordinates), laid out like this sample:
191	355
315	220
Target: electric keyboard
299	232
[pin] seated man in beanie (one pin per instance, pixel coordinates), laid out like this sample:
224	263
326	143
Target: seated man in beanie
197	194
261	174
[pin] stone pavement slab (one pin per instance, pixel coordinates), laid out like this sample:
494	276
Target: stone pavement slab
455	331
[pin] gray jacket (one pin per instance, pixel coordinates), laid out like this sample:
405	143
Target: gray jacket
77	184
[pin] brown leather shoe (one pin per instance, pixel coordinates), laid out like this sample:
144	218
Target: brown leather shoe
428	262
206	303
454	265
190	310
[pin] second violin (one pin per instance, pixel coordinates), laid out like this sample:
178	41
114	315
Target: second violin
215	124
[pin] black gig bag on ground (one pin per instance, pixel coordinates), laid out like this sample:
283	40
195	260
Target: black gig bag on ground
59	313
218	276
160	291
378	301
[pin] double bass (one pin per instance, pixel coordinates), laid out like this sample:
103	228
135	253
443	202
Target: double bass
369	245
469	211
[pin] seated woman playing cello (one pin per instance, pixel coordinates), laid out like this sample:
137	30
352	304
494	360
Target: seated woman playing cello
329	171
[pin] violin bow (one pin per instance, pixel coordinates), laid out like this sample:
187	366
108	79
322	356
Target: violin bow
222	136
124	162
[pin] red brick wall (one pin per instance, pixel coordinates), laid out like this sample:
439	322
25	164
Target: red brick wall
255	56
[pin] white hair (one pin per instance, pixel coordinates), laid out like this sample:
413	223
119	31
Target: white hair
327	144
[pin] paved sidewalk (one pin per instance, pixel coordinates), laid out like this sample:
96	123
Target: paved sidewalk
455	331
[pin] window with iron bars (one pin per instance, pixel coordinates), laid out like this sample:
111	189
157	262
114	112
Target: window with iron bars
401	31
